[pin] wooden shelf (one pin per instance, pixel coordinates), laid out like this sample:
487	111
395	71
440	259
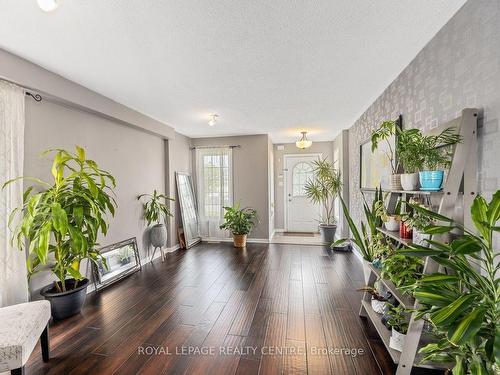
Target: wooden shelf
415	192
395	236
405	300
384	333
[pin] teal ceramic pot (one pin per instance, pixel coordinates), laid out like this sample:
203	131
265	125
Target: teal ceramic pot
431	180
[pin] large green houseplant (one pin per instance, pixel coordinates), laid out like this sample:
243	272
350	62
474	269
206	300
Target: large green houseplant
60	221
240	222
156	212
323	189
383	133
463	304
410	155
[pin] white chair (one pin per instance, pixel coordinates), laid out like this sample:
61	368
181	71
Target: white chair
20	328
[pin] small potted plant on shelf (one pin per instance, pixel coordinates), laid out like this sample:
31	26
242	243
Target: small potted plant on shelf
398	321
402	270
391	221
240	222
409	152
156	212
60	221
437	151
324	188
385	131
379	299
417	222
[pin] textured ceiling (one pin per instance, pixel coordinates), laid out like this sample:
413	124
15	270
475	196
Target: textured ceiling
273	66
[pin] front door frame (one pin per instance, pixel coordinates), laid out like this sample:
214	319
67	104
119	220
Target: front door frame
319	155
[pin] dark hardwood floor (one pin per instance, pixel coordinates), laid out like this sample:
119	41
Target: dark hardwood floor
277	307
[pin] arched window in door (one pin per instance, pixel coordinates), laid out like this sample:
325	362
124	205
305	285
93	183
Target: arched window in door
301	173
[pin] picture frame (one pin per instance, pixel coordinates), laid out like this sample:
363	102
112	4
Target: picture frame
122	259
375	169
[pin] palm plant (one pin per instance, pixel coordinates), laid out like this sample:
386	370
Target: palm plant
324	188
463	304
409	150
65	217
155	210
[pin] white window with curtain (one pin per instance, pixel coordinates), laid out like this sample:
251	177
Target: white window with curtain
214	180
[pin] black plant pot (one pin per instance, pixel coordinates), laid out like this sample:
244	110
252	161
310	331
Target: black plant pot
66	304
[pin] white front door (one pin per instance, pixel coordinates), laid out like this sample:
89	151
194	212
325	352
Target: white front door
301	214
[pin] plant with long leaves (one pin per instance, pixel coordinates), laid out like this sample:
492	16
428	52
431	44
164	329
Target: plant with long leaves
384	132
437	149
155	208
463	304
63	220
363	240
239	220
324	188
409	149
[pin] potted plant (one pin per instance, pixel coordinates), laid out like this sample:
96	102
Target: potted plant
410	155
323	189
61	222
402	270
398	321
417	222
463	303
386	130
437	154
156	211
391	221
239	221
378	298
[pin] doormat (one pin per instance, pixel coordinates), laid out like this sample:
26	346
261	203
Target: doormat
299	234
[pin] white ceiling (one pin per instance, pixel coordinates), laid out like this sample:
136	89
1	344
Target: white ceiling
265	66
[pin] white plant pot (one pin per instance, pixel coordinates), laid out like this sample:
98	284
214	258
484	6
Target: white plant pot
378	306
397	341
366	271
409	181
392	224
420	237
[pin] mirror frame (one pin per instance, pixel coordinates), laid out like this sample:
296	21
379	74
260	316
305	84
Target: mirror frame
194	240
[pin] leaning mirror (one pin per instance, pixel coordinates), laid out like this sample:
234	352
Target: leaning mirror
187	203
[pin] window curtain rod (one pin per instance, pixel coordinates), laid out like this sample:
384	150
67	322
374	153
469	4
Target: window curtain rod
226	146
27	90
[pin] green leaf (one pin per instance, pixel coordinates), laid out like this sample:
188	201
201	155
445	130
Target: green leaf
479	215
466	245
74	273
467	327
43	242
438	278
459	368
446	315
493	212
432	298
438	229
477	367
59	219
80	152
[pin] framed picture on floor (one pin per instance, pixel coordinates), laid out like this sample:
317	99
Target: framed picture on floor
122	259
375	168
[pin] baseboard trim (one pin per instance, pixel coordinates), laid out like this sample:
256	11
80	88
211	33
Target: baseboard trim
249	240
279	230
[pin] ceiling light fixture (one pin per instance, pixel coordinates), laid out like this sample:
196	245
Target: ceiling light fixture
212	119
303	142
47	5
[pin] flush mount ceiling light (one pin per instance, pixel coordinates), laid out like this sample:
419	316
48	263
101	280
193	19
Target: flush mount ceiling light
212	119
47	5
303	142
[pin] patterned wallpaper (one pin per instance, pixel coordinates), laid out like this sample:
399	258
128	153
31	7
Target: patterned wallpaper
459	68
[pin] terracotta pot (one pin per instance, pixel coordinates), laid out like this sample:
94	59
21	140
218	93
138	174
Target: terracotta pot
240	240
396	182
405	232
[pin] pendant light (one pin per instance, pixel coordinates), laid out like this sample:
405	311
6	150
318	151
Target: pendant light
47	5
303	142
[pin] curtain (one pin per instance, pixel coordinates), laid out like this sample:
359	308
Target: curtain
13	280
214	182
